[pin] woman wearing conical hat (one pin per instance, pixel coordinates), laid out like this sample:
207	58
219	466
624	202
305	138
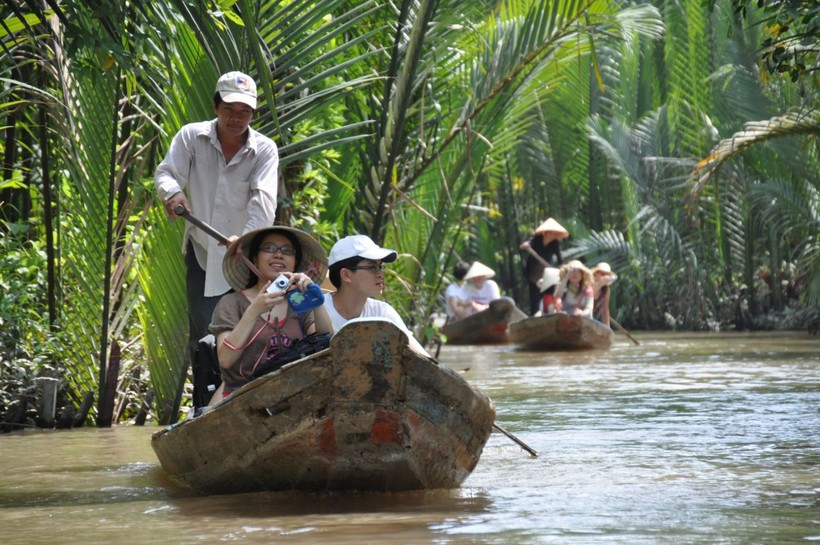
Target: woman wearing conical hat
545	243
479	290
253	323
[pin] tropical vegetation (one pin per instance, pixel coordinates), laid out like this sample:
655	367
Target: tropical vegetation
676	141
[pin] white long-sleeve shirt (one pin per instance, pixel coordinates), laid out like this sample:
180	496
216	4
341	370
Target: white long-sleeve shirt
233	198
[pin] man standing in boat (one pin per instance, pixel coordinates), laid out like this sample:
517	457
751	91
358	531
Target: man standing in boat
356	270
545	244
226	174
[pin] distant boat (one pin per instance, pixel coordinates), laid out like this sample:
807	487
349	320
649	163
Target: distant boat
490	326
560	332
368	413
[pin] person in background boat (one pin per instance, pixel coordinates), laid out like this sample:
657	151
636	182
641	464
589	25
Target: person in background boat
548	285
356	266
251	324
479	289
545	243
457	305
226	174
604	277
575	289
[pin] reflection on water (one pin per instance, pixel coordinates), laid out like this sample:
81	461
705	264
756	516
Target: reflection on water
685	439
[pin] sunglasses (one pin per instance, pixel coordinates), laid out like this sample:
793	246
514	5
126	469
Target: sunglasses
372	268
271	248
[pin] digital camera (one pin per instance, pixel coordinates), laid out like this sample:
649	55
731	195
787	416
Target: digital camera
280	283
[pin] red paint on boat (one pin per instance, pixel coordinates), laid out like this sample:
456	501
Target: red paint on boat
386	428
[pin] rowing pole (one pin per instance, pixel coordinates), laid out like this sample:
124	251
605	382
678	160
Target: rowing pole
518	441
180	211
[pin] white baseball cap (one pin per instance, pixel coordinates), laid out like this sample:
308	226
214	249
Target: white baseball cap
237	87
359	246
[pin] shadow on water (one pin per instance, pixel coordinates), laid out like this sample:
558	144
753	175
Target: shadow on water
437	503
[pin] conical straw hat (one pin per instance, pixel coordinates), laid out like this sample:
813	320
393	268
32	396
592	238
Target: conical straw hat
552	226
479	269
238	274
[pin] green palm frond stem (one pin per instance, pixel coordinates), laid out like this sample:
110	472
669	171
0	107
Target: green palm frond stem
801	123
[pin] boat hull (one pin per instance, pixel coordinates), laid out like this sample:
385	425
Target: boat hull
490	326
366	414
560	332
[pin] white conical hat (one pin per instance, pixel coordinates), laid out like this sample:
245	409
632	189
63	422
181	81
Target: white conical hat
313	260
552	226
550	278
479	269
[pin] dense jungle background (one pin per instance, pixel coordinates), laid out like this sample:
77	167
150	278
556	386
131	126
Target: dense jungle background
677	141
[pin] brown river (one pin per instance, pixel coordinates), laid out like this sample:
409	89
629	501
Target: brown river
685	439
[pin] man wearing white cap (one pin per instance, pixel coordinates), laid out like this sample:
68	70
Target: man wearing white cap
226	174
356	270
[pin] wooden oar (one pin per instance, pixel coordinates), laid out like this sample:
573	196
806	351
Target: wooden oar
181	212
518	441
621	328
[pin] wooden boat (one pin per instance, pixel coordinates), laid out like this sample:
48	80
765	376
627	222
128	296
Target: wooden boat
368	413
560	332
490	326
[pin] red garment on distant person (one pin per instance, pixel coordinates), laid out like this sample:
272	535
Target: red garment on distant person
549	300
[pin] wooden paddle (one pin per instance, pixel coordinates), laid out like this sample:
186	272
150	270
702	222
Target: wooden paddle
621	328
518	441
181	212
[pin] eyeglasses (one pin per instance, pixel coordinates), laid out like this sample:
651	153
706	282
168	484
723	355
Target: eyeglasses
375	269
271	248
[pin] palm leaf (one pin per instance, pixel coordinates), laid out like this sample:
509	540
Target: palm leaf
754	133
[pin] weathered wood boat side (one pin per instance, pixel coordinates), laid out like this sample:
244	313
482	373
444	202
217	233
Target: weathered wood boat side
560	332
490	326
366	414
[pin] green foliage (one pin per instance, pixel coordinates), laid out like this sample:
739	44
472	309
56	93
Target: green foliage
792	28
29	349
